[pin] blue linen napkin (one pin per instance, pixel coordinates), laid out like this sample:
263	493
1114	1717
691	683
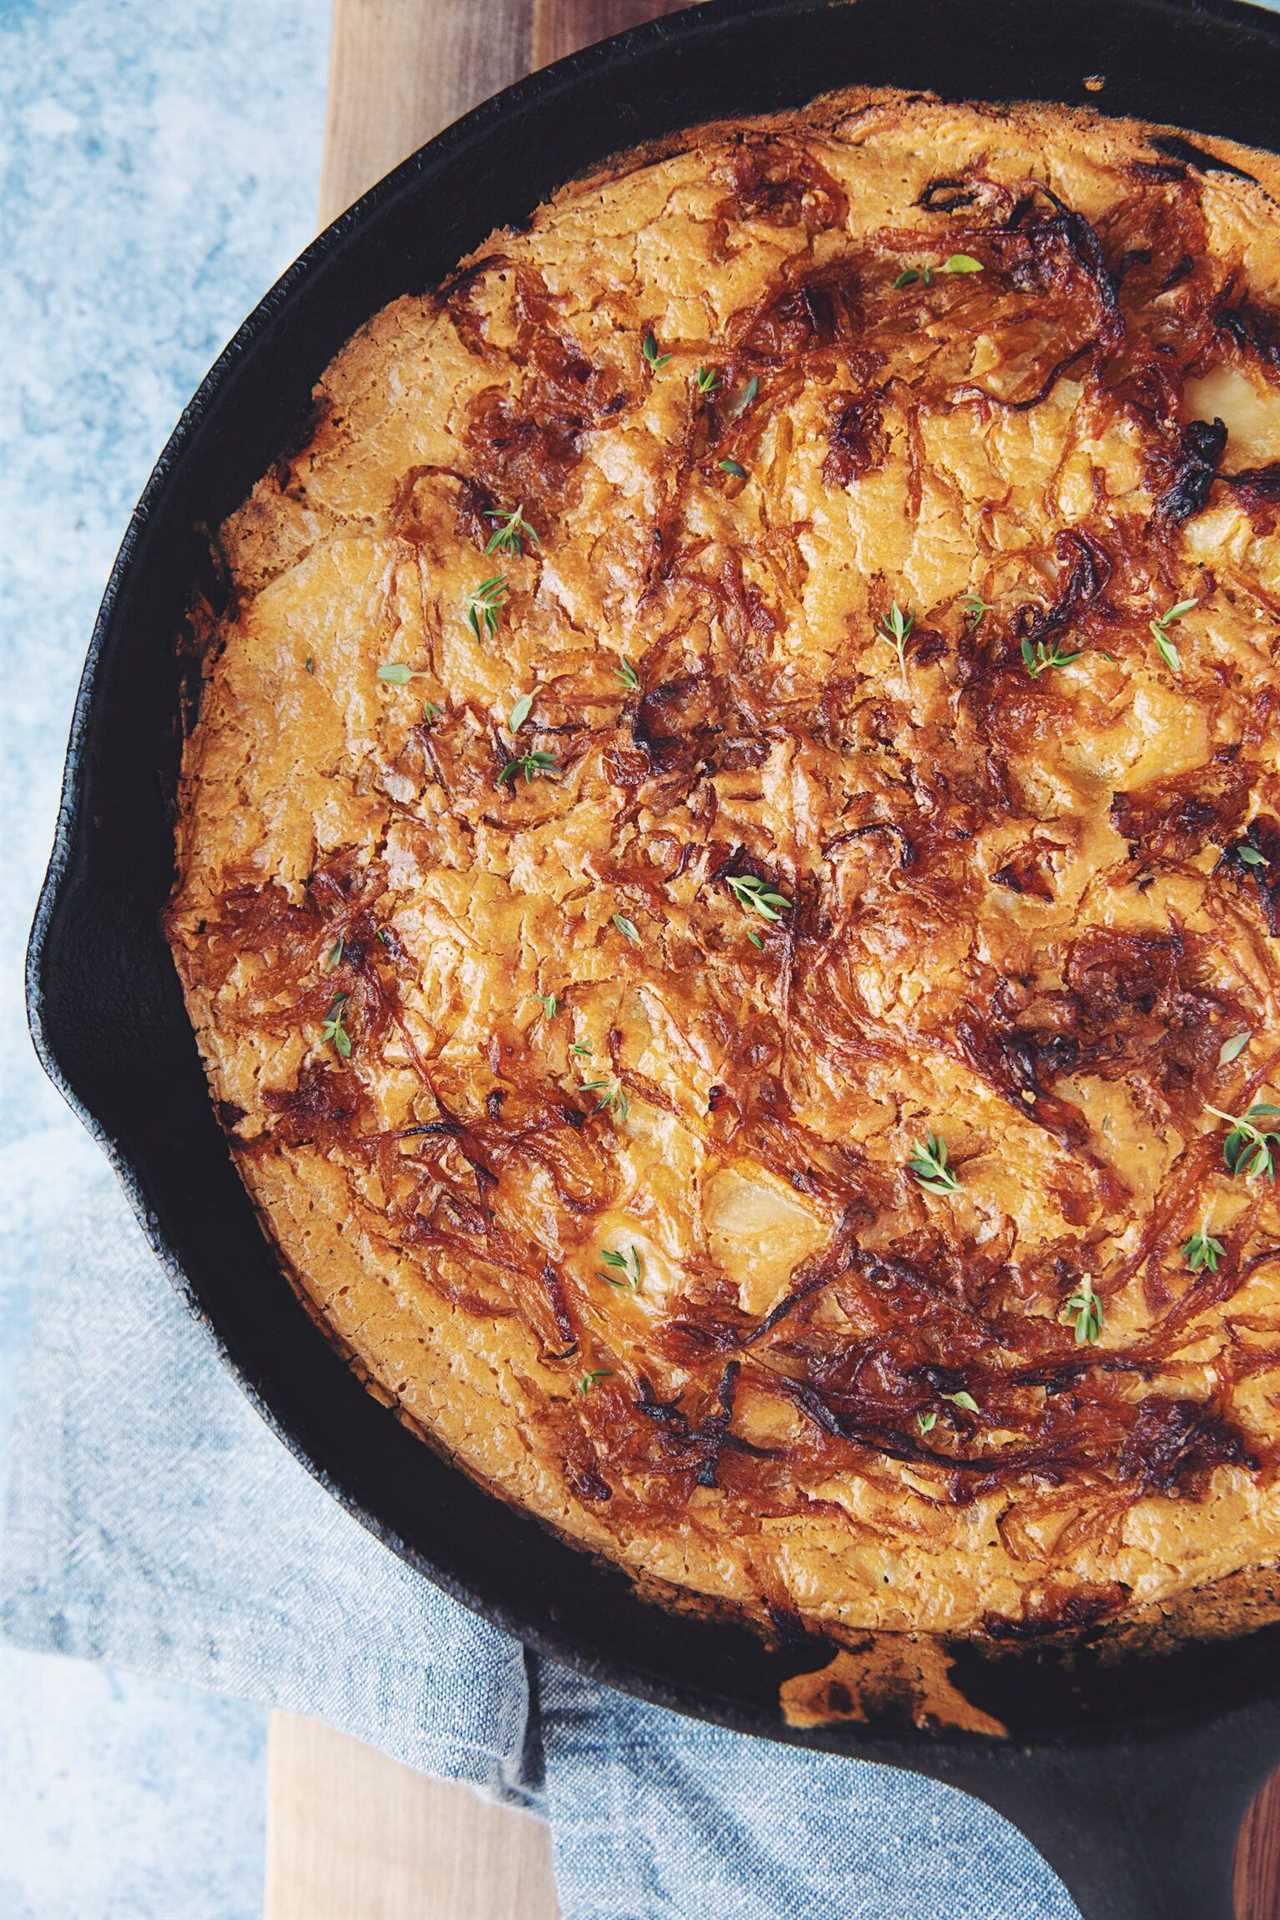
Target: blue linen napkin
156	1523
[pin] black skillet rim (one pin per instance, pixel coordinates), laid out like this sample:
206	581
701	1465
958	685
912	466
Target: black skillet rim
541	1629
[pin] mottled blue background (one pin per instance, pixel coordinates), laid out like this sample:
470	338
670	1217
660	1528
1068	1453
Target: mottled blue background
160	163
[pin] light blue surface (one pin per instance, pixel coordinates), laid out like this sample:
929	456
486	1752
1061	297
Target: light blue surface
159	162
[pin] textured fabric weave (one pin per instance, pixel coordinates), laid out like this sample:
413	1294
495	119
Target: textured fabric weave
156	1523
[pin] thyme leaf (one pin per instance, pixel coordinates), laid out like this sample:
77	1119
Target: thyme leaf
756	896
530	765
627	928
395	673
625	672
930	1165
1165	647
1250	1149
520	711
1040	658
510	532
649	348
333	1029
484	606
895	627
1202	1251
1083	1309
706	379
626	1262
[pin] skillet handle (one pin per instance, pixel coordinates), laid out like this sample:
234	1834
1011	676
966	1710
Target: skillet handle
1143	1829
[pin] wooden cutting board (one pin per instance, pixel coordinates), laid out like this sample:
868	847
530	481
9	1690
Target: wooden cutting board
350	1834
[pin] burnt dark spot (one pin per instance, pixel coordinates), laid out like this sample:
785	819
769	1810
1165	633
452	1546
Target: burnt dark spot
856	440
1200	158
1183	482
1174	1446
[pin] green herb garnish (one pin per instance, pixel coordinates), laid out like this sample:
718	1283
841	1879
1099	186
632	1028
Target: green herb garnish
484	606
1232	1049
625	672
1160	633
520	711
627	1263
706	379
926	1422
954	263
334	954
530	765
309	664
1202	1250
756	895
975	610
1248	1148
333	1030
395	674
627	928
510	532
895	627
589	1379
963	1399
930	1165
738	471
550	1005
755	938
581	1048
1083	1309
1250	854
649	348
1040	658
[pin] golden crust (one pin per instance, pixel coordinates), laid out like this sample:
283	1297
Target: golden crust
1011	905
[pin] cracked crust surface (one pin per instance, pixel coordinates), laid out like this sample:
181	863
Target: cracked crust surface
1019	905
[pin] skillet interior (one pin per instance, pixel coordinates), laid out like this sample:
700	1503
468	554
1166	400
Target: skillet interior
105	1005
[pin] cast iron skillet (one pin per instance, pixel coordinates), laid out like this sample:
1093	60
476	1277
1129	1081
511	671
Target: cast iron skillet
1131	1777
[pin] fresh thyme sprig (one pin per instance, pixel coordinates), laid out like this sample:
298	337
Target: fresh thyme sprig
734	467
1232	1049
550	1005
1083	1309
926	1422
520	710
589	1378
484	606
1251	856
895	627
613	1097
334	955
756	896
975	609
625	672
955	263
1039	658
627	1263
649	348
963	1399
1248	1148
627	928
581	1048
510	532
333	1029
706	380
1165	647
930	1165
1202	1250
530	765
395	673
